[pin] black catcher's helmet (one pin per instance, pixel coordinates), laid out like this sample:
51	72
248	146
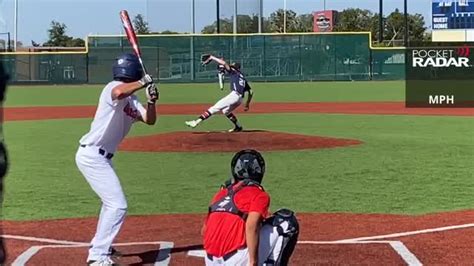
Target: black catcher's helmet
248	164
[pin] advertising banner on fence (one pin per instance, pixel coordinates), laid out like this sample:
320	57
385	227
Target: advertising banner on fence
324	21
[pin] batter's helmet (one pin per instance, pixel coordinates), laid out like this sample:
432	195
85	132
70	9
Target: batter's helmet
248	164
127	68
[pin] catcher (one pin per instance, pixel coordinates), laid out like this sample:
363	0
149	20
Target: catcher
238	86
237	229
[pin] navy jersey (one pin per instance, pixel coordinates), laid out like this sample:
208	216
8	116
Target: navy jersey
238	83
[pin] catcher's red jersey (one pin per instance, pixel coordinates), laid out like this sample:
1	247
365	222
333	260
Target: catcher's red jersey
225	232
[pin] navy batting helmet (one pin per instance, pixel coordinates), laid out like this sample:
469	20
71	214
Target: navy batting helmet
248	164
127	68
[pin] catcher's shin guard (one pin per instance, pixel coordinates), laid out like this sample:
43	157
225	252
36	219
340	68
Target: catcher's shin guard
288	230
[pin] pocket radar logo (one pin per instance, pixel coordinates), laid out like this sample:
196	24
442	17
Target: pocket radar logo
458	57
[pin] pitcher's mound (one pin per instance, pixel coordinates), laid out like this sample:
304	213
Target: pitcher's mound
230	142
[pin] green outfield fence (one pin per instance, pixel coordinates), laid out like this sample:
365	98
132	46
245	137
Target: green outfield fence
176	58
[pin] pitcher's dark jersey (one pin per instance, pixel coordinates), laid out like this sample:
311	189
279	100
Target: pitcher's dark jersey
238	83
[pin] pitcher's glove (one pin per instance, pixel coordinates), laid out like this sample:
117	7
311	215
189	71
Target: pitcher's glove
152	93
205	59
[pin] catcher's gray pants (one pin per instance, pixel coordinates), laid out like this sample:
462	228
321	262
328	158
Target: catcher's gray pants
270	247
100	175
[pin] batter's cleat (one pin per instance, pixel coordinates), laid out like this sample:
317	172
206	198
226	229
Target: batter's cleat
191	123
236	129
114	253
103	262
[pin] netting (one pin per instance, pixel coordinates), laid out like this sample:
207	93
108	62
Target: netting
247	14
176	58
5	42
263	57
46	68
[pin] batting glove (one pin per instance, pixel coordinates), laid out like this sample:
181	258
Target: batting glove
152	93
147	79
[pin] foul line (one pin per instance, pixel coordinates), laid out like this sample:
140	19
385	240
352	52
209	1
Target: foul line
405	253
409	233
162	259
398	246
29	253
45	240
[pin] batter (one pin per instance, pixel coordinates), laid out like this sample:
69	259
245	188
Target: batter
118	109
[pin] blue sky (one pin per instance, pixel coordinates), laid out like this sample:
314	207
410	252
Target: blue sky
84	17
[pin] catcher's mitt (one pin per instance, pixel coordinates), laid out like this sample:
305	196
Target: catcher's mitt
205	59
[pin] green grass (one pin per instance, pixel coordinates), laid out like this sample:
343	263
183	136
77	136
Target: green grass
407	164
207	93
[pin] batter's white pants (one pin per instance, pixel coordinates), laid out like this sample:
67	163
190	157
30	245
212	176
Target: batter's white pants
100	175
269	246
227	104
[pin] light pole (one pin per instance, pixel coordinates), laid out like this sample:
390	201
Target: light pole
218	24
260	16
406	22
193	16
15	29
191	43
235	17
284	16
380	21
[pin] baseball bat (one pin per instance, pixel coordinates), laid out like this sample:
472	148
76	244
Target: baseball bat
132	37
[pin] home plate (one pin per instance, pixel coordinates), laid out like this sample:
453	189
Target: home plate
197	253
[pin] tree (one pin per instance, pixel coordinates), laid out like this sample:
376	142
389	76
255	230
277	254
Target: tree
77	42
168	32
304	23
247	24
58	37
140	25
395	27
355	19
225	27
277	21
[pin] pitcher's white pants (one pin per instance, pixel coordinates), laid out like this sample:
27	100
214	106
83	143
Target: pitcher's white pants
227	104
269	246
100	175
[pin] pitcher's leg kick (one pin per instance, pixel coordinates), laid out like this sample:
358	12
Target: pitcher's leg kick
226	105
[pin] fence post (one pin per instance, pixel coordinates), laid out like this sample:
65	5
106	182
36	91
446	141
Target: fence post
301	57
193	75
263	58
87	67
371	64
335	57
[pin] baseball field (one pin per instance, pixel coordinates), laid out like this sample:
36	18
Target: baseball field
371	181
